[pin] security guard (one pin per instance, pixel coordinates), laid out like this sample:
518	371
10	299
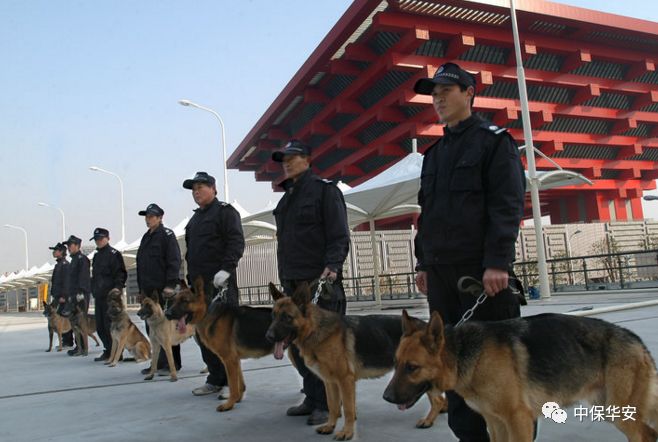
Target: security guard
59	285
79	282
108	272
312	243
158	268
471	198
215	244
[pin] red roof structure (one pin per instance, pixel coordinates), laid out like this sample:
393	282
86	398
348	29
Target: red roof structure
592	85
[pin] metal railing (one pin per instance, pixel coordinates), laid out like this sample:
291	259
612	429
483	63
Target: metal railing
621	270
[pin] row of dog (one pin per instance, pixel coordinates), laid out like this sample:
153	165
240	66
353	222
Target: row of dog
505	370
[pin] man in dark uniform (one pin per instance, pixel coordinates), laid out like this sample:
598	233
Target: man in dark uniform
158	268
59	285
79	282
215	244
313	242
471	198
108	272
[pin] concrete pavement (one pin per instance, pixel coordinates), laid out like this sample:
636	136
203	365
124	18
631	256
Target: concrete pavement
53	397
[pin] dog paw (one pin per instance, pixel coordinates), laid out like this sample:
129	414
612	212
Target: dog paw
224	407
112	364
344	435
59	349
173	379
424	423
325	429
148	378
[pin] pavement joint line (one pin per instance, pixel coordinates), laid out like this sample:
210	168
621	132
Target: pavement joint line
120	384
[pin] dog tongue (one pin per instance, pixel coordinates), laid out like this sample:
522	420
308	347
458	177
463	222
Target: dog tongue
278	350
181	326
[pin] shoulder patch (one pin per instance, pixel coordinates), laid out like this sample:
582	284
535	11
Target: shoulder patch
113	251
493	128
324	180
168	232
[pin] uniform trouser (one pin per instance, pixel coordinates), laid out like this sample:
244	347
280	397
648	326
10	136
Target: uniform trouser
216	370
103	322
444	297
316	395
175	349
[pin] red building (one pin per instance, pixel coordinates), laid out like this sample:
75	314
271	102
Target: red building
592	86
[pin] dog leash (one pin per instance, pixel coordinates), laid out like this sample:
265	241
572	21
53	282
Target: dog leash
318	292
474	287
221	296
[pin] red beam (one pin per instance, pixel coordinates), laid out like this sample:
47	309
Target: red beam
629	151
586	93
459	44
639	68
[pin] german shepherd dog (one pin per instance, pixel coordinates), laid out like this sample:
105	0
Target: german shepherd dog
125	334
340	350
163	333
506	370
56	324
231	332
83	325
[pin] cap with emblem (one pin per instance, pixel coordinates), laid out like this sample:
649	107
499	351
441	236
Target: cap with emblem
294	147
448	73
72	240
99	233
200	177
59	246
151	209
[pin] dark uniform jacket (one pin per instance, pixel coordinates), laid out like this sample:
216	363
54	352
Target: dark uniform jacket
471	197
214	241
108	272
312	230
158	260
60	280
78	272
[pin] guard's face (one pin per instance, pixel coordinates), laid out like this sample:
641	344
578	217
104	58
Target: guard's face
203	194
295	165
152	221
451	103
102	242
73	248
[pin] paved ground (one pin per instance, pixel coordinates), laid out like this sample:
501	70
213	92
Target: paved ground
50	396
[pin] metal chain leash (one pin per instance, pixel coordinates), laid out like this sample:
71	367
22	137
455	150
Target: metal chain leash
481	299
318	292
469	313
221	295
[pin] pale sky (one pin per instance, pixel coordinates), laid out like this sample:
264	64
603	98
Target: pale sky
97	83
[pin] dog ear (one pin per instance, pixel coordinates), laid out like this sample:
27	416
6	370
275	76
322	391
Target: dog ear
409	324
302	295
275	293
198	286
434	338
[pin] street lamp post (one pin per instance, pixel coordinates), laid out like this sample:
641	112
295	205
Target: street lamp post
63	219
569	252
221	124
27	261
123	215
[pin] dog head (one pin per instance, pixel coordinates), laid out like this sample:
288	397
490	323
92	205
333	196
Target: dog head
48	309
187	306
419	361
149	309
288	317
114	306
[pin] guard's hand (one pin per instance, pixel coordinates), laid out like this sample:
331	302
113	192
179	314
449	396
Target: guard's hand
495	281
421	281
328	274
79	297
168	292
221	279
62	301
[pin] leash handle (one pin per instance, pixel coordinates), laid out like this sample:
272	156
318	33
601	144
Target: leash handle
221	296
316	297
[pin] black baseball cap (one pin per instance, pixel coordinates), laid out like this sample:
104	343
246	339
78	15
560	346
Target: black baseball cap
99	233
294	147
59	246
200	177
151	209
448	73
72	240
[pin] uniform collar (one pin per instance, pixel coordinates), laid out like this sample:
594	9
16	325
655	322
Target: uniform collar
289	183
204	209
462	125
